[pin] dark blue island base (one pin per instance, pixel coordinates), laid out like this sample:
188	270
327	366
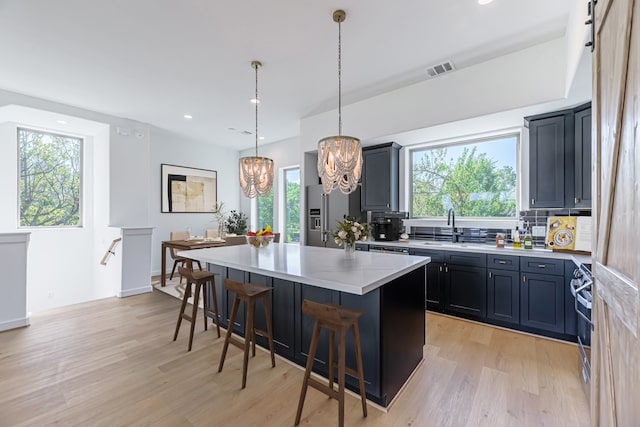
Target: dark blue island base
392	330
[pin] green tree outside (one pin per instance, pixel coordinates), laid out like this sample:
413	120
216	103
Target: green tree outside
49	179
473	184
293	211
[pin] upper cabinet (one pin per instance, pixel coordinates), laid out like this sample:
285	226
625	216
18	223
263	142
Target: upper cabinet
582	196
380	177
560	159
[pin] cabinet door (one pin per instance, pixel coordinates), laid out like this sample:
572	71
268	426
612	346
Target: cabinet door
542	302
380	178
503	295
582	181
282	312
466	290
221	294
434	300
547	162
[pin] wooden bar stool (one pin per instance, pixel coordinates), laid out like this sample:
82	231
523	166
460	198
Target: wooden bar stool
200	280
250	293
336	319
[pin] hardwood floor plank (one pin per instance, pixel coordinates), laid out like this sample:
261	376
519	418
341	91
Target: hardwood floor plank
113	362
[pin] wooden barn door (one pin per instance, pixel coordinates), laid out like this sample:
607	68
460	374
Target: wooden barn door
615	390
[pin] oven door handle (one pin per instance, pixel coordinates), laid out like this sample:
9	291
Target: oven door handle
582	302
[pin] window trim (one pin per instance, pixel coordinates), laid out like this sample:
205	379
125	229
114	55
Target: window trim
282	200
82	139
492	222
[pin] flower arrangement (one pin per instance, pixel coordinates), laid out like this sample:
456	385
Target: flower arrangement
351	231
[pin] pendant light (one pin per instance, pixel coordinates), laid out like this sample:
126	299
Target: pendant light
256	173
339	157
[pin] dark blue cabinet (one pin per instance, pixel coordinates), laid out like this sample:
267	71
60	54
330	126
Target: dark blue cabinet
466	291
380	177
542	302
503	295
435	278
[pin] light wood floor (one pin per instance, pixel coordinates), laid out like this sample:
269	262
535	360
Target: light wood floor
112	363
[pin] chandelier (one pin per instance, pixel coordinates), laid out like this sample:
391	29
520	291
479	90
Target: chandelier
256	173
339	157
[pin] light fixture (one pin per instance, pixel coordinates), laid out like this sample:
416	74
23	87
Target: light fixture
483	2
188	116
339	157
256	173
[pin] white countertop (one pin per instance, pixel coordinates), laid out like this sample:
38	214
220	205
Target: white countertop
482	247
322	267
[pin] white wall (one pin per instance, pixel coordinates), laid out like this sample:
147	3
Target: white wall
173	149
285	153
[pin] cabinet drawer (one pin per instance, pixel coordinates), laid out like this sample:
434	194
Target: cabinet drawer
470	259
542	265
436	256
503	262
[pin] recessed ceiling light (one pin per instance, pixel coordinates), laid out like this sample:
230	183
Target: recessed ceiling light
483	2
188	116
254	101
62	122
261	137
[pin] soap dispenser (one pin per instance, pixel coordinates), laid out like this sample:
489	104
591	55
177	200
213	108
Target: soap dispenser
515	236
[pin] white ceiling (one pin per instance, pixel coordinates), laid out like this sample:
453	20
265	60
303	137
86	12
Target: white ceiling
156	60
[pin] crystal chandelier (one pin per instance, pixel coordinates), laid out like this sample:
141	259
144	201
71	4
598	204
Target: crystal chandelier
339	157
256	173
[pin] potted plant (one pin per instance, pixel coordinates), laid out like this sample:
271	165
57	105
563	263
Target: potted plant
236	223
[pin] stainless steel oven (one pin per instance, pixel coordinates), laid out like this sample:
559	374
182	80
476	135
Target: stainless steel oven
581	289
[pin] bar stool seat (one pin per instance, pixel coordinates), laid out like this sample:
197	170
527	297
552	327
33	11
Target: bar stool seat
199	279
336	319
250	293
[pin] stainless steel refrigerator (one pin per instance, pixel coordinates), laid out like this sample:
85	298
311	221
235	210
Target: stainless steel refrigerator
325	210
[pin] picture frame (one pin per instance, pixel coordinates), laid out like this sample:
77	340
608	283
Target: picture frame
188	190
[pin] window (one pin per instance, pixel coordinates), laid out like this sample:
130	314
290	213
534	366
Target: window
265	211
476	178
49	171
291	205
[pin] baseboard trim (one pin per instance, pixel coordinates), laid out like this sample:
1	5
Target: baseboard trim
13	324
136	291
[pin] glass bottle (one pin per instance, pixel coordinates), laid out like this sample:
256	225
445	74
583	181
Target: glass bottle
528	240
515	236
499	240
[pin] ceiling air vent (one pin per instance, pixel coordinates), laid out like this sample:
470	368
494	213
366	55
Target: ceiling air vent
439	69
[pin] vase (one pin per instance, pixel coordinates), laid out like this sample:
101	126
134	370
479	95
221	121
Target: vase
349	251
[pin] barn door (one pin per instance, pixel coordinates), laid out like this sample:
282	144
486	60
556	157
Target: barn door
615	392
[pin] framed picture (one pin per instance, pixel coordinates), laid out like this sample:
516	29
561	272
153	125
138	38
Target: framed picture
188	190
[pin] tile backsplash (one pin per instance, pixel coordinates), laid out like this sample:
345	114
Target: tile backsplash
486	235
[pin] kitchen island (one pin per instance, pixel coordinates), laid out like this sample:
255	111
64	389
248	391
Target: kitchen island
390	290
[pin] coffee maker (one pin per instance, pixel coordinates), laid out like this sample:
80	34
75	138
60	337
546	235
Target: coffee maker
387	226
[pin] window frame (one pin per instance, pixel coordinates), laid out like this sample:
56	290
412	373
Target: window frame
282	201
460	141
81	202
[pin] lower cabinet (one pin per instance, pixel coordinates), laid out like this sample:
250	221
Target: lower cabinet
542	302
503	288
466	290
435	278
503	295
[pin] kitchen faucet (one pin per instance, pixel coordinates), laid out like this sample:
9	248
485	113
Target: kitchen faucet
451	220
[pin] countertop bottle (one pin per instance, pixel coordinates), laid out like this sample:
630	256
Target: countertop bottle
515	236
500	240
528	241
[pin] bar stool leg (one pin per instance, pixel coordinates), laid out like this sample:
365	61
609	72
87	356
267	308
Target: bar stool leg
332	366
253	329
234	313
341	376
194	313
216	319
307	372
267	313
248	334
363	393
205	304
182	308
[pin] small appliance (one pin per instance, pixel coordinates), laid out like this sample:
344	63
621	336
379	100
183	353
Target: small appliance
387	226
